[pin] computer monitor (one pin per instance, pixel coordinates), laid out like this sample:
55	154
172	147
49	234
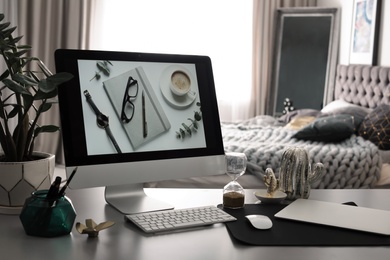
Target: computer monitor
130	118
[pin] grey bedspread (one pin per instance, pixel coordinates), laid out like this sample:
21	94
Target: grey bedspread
352	163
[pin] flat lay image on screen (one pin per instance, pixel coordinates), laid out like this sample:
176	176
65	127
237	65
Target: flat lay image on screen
129	118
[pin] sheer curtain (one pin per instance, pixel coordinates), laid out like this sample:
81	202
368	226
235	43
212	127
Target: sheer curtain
263	33
47	25
236	34
221	29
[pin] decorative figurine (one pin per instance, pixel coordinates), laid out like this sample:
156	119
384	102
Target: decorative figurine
91	228
295	175
272	195
271	182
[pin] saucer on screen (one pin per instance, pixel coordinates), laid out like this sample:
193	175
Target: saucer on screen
178	102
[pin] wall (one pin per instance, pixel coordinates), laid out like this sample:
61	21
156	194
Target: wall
346	7
384	36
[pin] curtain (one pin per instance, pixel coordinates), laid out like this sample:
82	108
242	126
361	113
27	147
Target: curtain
263	29
48	25
220	29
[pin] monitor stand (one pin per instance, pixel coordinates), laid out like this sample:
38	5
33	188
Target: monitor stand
131	199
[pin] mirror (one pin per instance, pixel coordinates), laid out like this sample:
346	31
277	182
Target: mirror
304	58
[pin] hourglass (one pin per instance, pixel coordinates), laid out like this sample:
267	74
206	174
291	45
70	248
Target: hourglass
233	192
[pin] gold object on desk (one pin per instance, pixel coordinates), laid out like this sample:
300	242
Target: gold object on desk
91	228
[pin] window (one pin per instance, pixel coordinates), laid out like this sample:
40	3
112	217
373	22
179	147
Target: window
221	29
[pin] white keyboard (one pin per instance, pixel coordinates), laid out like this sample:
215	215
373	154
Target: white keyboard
170	220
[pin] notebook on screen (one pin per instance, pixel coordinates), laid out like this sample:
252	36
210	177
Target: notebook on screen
338	215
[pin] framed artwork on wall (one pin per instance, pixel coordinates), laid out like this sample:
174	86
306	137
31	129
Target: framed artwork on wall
365	32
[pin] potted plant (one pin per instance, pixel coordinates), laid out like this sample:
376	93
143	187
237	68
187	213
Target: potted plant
25	94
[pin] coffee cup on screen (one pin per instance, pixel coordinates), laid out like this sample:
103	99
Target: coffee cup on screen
180	83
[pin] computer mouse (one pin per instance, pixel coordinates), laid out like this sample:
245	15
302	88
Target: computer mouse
260	221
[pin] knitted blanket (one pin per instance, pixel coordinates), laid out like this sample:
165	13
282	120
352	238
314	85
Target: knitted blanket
352	163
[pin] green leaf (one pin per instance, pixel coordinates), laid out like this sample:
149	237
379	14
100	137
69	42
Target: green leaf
4	46
97	76
187	128
193	127
45	95
28	101
15	40
1	17
25	80
51	83
45	87
45	107
197	116
14	86
46	129
14	111
24	46
4	25
103	67
182	133
60	78
8	32
12	55
4	75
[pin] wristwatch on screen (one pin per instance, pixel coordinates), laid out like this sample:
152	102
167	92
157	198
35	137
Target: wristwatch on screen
102	120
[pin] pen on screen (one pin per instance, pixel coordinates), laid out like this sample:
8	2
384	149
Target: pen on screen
62	191
144	123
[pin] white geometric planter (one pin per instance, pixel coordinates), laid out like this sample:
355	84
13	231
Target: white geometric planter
19	179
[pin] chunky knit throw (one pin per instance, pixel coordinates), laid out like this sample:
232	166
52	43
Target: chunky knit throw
352	163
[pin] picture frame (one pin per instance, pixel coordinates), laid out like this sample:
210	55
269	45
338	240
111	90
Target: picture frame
365	32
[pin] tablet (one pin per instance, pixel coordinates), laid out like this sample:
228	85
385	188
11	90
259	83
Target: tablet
338	215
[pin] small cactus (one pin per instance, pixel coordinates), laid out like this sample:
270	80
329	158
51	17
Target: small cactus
295	176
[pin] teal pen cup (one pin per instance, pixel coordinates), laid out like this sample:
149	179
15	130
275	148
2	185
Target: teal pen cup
45	217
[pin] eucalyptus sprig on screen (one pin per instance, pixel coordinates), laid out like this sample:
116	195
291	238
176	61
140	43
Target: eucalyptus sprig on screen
25	94
102	68
187	129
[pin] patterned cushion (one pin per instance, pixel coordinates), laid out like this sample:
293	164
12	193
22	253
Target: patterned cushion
376	127
335	128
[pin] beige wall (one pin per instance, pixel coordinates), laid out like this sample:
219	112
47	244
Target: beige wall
384	36
346	7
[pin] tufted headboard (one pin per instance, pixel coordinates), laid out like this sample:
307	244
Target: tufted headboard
363	85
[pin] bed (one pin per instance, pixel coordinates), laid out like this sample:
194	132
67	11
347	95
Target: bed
350	136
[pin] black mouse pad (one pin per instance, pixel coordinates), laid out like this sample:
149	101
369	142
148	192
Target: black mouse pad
294	233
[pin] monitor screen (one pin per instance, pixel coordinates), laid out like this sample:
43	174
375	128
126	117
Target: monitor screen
129	118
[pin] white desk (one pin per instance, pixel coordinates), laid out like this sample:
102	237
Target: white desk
124	241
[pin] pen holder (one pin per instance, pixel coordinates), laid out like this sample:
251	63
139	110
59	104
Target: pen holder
46	217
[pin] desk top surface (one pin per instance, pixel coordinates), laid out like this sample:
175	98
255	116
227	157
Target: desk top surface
125	241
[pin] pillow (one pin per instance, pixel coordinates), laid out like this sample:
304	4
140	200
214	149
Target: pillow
328	129
299	122
299	112
376	127
340	104
343	107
